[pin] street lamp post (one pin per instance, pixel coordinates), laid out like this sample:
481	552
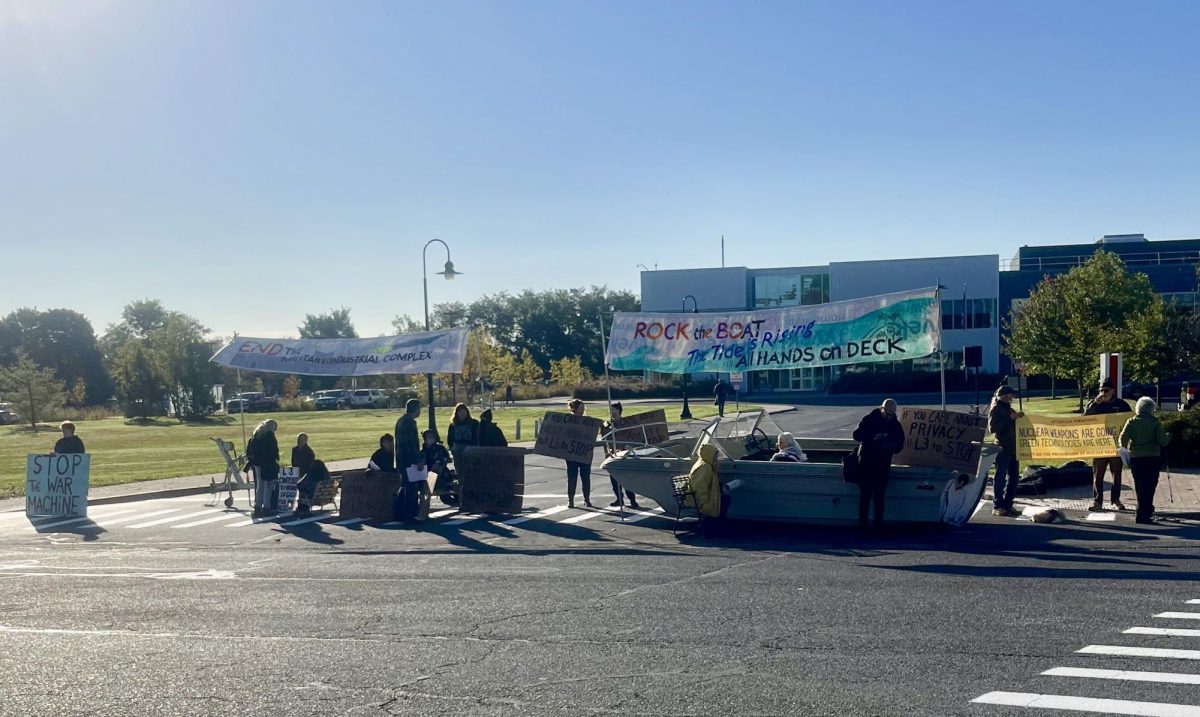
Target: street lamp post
449	273
686	413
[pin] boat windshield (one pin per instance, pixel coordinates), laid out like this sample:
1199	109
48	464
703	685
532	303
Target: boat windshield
737	426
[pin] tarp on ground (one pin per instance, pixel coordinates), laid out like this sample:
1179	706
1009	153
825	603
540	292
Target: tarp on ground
889	327
424	352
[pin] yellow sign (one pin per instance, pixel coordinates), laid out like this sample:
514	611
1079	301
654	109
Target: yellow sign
1047	439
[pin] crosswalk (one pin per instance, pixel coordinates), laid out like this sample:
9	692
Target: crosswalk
1169	656
196	512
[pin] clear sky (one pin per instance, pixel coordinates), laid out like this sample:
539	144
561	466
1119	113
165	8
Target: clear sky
250	162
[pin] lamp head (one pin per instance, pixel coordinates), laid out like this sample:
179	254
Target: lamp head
449	271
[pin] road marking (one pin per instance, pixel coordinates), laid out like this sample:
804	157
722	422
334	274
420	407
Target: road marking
1180	615
1101	517
311	519
226	515
533	516
136	516
560	496
171	519
633	516
253	521
1087	704
1169	631
1133	675
465	519
90	519
1129	651
351	521
591	513
180	635
443	513
1193	602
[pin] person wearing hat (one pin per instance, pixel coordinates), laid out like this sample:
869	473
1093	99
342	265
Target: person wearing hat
1002	422
1105	402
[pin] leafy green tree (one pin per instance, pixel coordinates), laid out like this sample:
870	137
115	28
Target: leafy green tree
182	353
568	372
140	383
36	393
1038	332
333	325
61	340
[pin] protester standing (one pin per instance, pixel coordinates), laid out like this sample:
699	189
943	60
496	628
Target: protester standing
614	414
1144	437
1106	402
463	432
408	455
69	443
1002	422
722	392
880	436
262	452
578	471
302	454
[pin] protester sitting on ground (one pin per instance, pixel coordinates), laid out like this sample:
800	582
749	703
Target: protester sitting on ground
262	452
463	432
306	489
489	433
1105	402
1144	437
789	450
384	459
69	443
302	454
437	460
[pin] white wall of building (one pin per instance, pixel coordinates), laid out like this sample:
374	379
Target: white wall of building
715	289
979	274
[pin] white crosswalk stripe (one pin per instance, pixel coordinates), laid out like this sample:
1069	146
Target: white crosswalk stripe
591	513
1130	675
225	515
171	519
1179	615
1087	704
78	521
1166	631
535	516
1131	651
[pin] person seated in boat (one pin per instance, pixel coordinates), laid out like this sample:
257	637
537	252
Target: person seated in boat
789	450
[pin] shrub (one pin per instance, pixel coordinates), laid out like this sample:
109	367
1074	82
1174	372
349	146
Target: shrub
628	388
912	382
1184	428
295	404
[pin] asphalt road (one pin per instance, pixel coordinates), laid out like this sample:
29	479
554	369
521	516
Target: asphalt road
169	607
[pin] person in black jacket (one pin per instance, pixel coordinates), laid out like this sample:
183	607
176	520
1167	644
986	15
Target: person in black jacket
463	432
302	454
1002	422
384	459
263	454
489	433
880	437
408	455
1106	402
615	411
69	443
721	391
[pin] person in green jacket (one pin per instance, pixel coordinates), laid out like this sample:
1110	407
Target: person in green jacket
1144	437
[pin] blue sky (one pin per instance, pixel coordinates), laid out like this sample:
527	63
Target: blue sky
250	162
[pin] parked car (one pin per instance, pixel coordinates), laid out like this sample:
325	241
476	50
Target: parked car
331	399
252	402
7	415
368	398
1168	390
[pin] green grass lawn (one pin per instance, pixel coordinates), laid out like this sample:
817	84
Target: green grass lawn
125	451
1053	406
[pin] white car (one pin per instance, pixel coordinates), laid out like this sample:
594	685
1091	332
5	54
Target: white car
368	398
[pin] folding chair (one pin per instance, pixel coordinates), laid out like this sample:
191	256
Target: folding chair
233	474
684	495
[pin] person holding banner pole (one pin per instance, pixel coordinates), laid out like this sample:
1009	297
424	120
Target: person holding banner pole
1106	402
1144	438
1002	422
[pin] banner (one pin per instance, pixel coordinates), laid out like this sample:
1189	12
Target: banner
56	484
1046	440
890	327
425	352
941	438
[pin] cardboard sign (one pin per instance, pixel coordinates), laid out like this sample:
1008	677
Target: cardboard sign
941	438
56	485
492	479
286	487
1045	439
567	436
629	429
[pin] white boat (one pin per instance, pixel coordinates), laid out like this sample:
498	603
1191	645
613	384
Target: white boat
811	493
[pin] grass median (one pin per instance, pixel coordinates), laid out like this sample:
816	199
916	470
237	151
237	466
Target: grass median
128	451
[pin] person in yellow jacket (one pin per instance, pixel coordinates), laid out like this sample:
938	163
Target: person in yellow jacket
706	488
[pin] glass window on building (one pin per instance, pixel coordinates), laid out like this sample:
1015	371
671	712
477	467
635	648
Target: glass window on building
775	290
968	314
